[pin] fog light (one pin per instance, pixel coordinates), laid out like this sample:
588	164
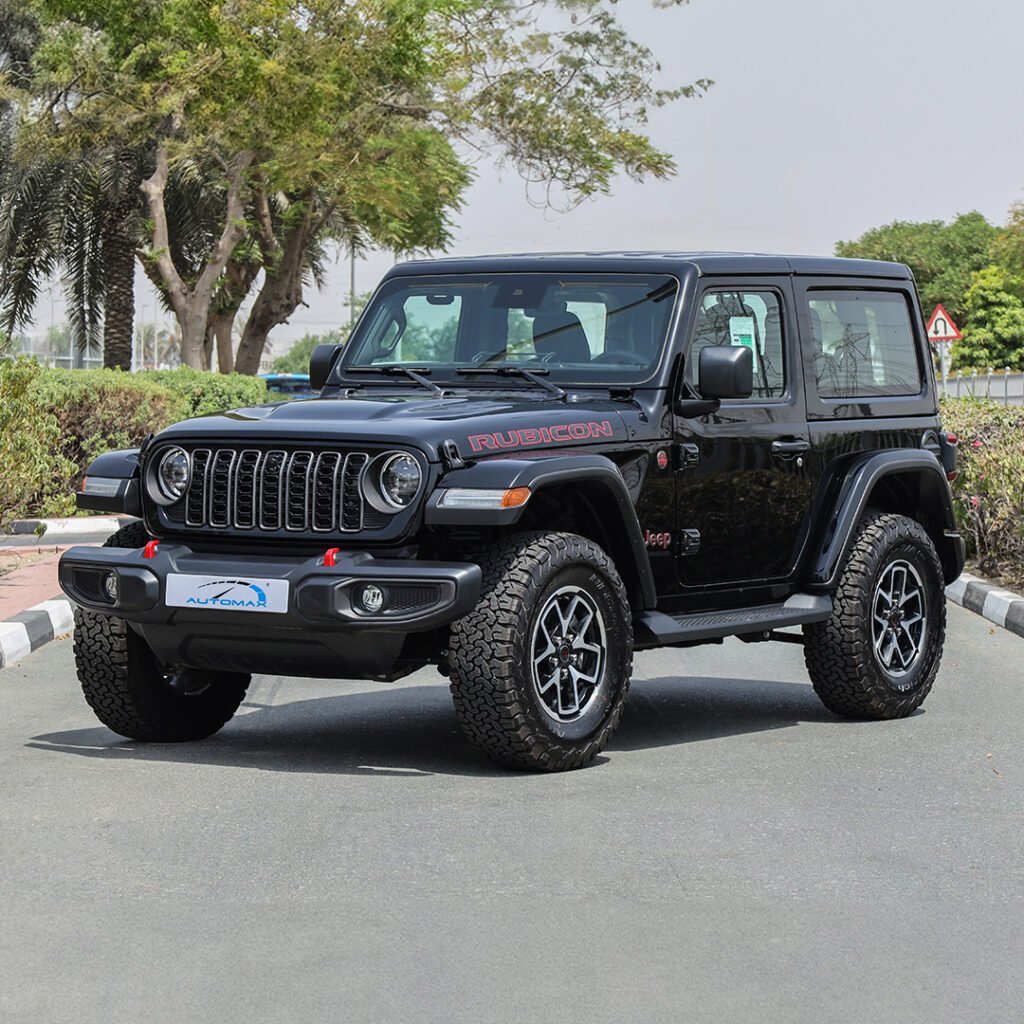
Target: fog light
371	597
110	586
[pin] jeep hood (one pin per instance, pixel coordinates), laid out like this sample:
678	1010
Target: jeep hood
479	425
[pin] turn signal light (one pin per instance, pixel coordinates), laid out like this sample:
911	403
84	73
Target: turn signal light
515	497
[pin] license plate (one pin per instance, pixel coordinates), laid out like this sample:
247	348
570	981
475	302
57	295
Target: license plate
226	593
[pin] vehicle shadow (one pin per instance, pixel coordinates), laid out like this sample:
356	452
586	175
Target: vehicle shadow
411	730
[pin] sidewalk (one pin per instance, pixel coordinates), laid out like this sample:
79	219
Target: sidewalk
32	610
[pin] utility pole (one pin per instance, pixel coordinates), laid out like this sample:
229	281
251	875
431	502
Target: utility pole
352	283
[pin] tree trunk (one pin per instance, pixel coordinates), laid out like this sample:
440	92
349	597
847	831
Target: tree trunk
192	306
119	285
223	324
208	340
279	297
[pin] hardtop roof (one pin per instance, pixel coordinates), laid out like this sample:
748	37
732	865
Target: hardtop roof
660	262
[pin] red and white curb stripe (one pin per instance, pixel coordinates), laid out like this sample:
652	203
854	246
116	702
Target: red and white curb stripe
29	630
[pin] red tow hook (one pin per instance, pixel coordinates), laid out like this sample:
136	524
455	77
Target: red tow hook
329	556
149	551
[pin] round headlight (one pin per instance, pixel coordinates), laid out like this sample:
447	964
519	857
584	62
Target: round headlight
400	479
173	473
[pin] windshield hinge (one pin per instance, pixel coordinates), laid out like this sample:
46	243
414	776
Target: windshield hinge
450	456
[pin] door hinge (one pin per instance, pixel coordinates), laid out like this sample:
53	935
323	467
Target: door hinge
689	542
689	456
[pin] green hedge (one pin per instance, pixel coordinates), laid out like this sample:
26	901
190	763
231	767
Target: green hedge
205	393
989	490
54	422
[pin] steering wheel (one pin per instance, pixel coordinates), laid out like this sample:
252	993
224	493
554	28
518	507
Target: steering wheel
620	356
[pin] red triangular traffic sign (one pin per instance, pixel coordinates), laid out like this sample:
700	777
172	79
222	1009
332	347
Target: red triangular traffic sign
941	326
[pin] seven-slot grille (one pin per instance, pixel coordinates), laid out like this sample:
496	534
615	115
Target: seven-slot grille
297	491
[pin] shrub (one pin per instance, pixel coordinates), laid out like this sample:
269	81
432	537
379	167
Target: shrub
35	473
204	393
53	423
989	490
103	410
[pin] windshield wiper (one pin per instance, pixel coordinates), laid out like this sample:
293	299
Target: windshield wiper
392	369
516	371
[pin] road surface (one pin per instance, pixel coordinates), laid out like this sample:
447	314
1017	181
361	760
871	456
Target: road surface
338	853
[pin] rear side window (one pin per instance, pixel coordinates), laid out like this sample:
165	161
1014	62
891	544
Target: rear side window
863	343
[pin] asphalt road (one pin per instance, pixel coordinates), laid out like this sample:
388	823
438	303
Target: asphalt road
338	853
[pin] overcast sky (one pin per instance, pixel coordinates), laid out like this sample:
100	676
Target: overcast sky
827	117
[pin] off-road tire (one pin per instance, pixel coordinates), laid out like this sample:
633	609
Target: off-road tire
490	649
839	652
126	688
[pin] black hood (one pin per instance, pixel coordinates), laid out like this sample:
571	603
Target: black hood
478	424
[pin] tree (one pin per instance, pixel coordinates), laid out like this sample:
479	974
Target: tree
1008	246
942	256
336	120
296	359
78	215
994	323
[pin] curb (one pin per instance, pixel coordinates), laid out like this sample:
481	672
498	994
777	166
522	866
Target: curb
73	526
29	630
998	605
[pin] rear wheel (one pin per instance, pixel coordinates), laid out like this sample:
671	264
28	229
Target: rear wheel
131	693
879	653
540	668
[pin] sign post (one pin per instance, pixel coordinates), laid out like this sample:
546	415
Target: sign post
943	332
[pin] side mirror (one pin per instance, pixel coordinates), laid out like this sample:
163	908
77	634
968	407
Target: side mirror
321	362
726	371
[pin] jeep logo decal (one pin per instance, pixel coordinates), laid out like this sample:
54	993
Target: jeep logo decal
658	540
528	436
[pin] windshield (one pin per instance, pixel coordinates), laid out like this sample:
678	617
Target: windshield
573	328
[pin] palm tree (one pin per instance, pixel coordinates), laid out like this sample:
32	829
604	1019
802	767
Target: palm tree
77	218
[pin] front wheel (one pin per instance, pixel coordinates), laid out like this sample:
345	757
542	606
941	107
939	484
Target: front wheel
540	668
131	693
878	654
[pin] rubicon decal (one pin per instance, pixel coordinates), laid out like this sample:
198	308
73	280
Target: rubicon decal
215	593
526	437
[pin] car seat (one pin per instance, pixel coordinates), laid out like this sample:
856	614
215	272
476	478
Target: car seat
558	335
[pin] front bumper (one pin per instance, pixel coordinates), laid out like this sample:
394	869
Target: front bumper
321	628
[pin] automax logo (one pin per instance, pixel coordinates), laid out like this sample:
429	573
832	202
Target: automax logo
235	594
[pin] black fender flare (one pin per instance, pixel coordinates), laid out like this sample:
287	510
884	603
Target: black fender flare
122	466
854	497
545	471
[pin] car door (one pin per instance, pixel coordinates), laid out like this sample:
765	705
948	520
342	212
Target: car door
744	486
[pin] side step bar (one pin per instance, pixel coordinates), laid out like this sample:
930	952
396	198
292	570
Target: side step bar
656	629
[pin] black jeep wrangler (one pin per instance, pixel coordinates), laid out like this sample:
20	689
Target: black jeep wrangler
524	468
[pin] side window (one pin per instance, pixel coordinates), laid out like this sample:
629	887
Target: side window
753	319
863	343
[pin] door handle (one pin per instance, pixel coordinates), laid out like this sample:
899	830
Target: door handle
790	449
